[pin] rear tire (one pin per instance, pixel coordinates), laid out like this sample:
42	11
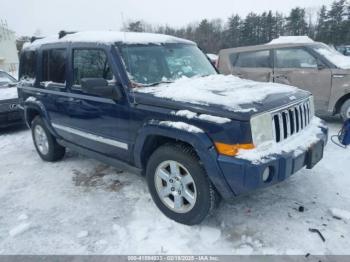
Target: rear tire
345	110
179	185
45	143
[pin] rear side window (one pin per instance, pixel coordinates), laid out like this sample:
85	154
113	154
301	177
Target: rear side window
254	59
90	63
294	58
54	65
28	65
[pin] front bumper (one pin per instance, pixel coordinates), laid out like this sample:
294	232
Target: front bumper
244	176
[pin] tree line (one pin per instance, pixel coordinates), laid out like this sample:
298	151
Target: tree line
330	25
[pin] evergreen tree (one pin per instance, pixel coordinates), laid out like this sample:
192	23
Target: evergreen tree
296	24
232	36
322	30
337	26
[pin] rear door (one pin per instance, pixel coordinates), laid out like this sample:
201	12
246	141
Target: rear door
255	65
298	67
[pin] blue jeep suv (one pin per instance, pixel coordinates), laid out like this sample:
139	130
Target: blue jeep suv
154	105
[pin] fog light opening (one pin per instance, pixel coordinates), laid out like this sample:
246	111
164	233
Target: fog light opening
267	175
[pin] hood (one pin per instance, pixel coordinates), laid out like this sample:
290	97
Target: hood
220	95
7	93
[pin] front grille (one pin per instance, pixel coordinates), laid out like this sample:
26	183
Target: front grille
290	121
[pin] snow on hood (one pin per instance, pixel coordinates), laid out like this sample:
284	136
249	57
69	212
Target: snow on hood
291	40
338	59
228	91
8	93
109	37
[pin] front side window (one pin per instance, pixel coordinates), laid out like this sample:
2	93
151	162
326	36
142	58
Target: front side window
28	65
254	59
153	64
54	65
90	63
294	58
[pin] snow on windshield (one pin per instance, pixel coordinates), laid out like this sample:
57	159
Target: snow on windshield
228	91
333	56
151	64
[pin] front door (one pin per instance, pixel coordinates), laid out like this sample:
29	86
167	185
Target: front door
254	66
298	67
97	123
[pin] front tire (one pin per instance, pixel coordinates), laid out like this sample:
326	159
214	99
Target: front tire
179	185
345	110
45	143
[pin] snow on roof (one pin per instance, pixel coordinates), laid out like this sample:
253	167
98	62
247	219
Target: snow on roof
228	91
213	56
291	40
109	37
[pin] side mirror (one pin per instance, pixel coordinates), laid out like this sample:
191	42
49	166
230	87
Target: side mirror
320	66
100	87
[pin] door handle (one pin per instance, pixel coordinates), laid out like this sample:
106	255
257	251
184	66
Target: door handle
284	77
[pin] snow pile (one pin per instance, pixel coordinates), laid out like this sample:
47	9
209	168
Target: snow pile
20	229
8	93
297	143
334	56
182	126
209	118
339	213
228	91
109	37
291	40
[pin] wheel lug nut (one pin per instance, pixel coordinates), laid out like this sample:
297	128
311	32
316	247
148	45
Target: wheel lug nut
171	181
179	192
173	189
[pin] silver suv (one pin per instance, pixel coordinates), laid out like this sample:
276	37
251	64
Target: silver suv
314	67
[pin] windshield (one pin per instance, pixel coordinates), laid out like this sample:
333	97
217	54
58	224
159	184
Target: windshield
338	59
6	79
154	64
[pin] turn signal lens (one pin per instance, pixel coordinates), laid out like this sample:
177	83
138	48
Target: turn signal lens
231	150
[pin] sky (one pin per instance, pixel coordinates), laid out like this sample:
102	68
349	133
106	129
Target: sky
25	17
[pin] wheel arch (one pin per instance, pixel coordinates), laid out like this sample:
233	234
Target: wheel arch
340	102
33	108
152	136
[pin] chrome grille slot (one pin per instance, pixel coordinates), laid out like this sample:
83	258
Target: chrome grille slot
290	121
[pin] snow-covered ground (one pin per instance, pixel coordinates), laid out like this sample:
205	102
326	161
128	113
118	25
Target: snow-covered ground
81	206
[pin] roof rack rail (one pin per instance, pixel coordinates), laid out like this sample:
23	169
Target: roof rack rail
34	38
63	33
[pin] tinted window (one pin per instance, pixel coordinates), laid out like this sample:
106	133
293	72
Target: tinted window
28	64
90	63
54	65
254	59
295	58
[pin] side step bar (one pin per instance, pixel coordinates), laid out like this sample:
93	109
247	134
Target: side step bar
106	159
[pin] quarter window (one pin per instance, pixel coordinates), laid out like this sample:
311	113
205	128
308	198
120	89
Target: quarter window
295	58
90	63
254	59
28	65
54	65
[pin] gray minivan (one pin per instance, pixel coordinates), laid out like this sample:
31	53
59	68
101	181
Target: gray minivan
311	66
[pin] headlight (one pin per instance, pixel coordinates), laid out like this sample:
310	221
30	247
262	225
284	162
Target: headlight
261	126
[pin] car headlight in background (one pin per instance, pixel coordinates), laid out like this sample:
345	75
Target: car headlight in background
261	127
